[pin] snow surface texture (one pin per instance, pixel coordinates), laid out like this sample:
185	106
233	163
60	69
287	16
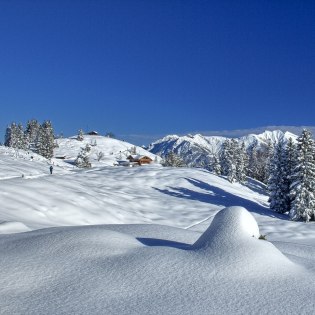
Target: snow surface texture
152	269
215	265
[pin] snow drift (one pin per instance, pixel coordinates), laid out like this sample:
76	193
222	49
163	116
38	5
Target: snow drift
150	269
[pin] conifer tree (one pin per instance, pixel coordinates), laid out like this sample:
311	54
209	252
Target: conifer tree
278	180
225	157
83	160
233	147
302	190
8	136
241	162
31	132
80	136
216	166
174	160
252	170
45	140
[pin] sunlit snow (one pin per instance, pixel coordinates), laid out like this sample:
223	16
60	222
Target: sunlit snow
144	240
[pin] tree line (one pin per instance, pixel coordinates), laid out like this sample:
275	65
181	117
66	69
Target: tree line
36	137
286	167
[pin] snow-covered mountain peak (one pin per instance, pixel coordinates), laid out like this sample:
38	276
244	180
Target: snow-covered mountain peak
197	149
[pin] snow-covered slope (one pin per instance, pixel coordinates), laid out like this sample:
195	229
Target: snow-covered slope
112	149
152	269
180	255
197	149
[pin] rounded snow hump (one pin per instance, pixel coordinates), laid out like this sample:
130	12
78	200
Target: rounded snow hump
229	226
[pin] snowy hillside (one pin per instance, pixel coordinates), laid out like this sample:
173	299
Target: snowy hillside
112	149
197	149
144	240
153	269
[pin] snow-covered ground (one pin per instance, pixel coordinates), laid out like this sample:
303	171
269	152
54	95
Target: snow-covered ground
112	149
116	240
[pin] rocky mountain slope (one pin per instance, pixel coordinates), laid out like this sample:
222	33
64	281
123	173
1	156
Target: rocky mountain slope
197	149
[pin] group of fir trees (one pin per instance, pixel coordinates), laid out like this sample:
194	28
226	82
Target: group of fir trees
232	161
36	137
172	159
292	178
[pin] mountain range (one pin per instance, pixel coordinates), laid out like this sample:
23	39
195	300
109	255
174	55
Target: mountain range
198	149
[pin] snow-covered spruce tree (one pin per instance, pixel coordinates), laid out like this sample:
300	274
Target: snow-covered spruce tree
267	155
302	190
14	137
44	144
232	176
252	169
215	166
31	132
83	160
258	164
278	184
174	160
8	136
80	136
241	160
21	140
291	161
225	157
228	159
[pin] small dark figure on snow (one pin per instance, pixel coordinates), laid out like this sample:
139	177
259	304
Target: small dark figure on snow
51	169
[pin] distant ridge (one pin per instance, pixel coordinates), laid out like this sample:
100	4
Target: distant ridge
198	149
141	139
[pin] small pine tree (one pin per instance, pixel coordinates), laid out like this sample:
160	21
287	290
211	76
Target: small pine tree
82	159
80	136
302	190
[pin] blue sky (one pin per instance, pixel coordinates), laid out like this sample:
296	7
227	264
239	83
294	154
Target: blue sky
157	67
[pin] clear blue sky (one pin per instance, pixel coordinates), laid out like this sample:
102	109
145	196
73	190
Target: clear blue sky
157	67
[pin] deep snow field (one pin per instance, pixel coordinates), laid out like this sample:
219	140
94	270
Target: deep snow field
145	240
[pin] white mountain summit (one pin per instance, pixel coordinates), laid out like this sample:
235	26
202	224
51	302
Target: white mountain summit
197	149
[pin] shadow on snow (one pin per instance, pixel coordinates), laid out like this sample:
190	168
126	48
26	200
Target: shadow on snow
164	243
218	196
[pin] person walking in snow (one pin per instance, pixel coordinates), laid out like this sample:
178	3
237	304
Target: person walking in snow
51	169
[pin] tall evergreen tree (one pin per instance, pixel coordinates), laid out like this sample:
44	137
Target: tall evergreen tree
241	160
31	132
232	165
225	157
266	157
303	180
14	137
216	167
45	140
278	180
8	136
252	170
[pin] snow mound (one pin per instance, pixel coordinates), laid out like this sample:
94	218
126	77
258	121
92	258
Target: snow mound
13	227
229	226
232	239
